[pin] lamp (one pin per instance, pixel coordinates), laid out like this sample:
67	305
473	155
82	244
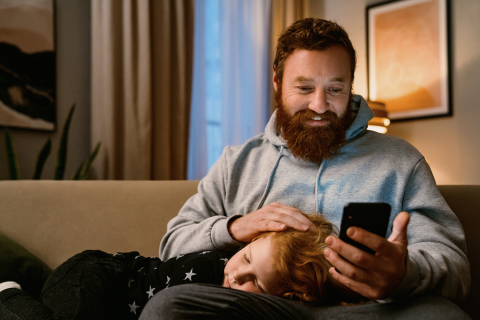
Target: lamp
380	122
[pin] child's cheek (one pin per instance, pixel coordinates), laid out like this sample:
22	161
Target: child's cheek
249	287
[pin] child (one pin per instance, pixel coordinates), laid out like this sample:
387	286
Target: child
97	285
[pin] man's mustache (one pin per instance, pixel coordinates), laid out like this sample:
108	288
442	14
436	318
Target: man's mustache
308	114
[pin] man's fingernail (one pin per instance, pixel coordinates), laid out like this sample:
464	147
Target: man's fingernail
327	253
350	232
305	227
282	226
329	241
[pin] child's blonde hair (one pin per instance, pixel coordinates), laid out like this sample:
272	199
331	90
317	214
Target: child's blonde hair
302	267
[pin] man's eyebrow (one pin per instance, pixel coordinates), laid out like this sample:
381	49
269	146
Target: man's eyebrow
258	284
338	79
302	79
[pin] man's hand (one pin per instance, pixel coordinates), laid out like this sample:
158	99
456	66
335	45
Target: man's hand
373	276
274	217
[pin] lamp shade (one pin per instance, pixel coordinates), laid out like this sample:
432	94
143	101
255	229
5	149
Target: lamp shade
380	122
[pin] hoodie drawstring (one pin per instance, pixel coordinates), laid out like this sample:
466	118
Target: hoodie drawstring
316	185
264	196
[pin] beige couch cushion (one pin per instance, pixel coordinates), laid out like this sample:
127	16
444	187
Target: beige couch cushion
57	219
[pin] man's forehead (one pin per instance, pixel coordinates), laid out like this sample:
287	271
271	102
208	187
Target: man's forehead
306	65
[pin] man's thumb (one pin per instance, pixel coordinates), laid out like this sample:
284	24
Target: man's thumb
399	232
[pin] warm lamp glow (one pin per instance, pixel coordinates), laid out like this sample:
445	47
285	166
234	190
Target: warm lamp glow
377	129
380	122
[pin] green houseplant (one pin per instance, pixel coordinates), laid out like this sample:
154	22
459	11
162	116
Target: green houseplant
82	173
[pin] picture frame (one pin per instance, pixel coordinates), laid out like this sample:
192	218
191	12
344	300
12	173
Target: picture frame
27	64
408	58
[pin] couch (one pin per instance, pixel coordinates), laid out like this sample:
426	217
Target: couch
56	219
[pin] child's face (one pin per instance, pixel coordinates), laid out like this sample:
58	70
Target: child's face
251	269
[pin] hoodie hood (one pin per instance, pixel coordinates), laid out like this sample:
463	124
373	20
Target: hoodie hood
359	124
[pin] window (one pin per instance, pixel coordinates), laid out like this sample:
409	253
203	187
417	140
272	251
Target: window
231	78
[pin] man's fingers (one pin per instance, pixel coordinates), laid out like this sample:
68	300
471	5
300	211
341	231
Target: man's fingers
371	240
352	253
269	225
292	217
358	287
346	266
373	276
353	285
399	231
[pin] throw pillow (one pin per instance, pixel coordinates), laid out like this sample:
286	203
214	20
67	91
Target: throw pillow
19	265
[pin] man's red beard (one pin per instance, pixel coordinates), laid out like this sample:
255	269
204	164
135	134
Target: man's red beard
308	142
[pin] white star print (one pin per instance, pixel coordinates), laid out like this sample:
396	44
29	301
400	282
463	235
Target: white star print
168	280
130	281
179	256
118	254
204	252
225	260
133	307
189	275
150	292
137	257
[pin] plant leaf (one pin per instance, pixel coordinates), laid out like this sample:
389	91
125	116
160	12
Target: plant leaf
76	175
84	170
14	167
62	147
42	158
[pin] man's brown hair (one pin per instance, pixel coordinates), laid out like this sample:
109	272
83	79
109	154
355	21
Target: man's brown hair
311	34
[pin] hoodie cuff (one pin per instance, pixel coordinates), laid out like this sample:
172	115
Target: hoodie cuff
411	280
221	239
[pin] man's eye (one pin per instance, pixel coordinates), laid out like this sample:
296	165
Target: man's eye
246	259
336	90
304	88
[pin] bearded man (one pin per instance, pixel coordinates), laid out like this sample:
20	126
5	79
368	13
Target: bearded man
315	156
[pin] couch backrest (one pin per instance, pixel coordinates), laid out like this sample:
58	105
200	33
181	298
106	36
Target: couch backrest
57	219
464	200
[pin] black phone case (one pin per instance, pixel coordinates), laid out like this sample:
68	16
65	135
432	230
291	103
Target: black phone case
371	216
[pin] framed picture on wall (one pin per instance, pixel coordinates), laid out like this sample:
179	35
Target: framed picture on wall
27	64
408	58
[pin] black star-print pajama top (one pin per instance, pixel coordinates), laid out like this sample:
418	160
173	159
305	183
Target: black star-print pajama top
96	285
151	275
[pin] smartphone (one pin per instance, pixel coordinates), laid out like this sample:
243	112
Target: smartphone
371	216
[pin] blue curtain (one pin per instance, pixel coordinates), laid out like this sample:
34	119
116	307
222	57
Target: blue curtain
231	78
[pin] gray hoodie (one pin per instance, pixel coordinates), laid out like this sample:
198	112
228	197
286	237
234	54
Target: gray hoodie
370	167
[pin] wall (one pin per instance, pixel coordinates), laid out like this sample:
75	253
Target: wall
450	144
73	86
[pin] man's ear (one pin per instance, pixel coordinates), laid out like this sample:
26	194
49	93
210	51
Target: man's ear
275	80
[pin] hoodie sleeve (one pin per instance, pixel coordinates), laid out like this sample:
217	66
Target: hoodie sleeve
437	262
202	222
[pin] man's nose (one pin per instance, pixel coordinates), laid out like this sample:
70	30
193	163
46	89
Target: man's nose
319	102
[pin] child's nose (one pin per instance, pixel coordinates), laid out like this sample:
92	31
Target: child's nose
241	276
